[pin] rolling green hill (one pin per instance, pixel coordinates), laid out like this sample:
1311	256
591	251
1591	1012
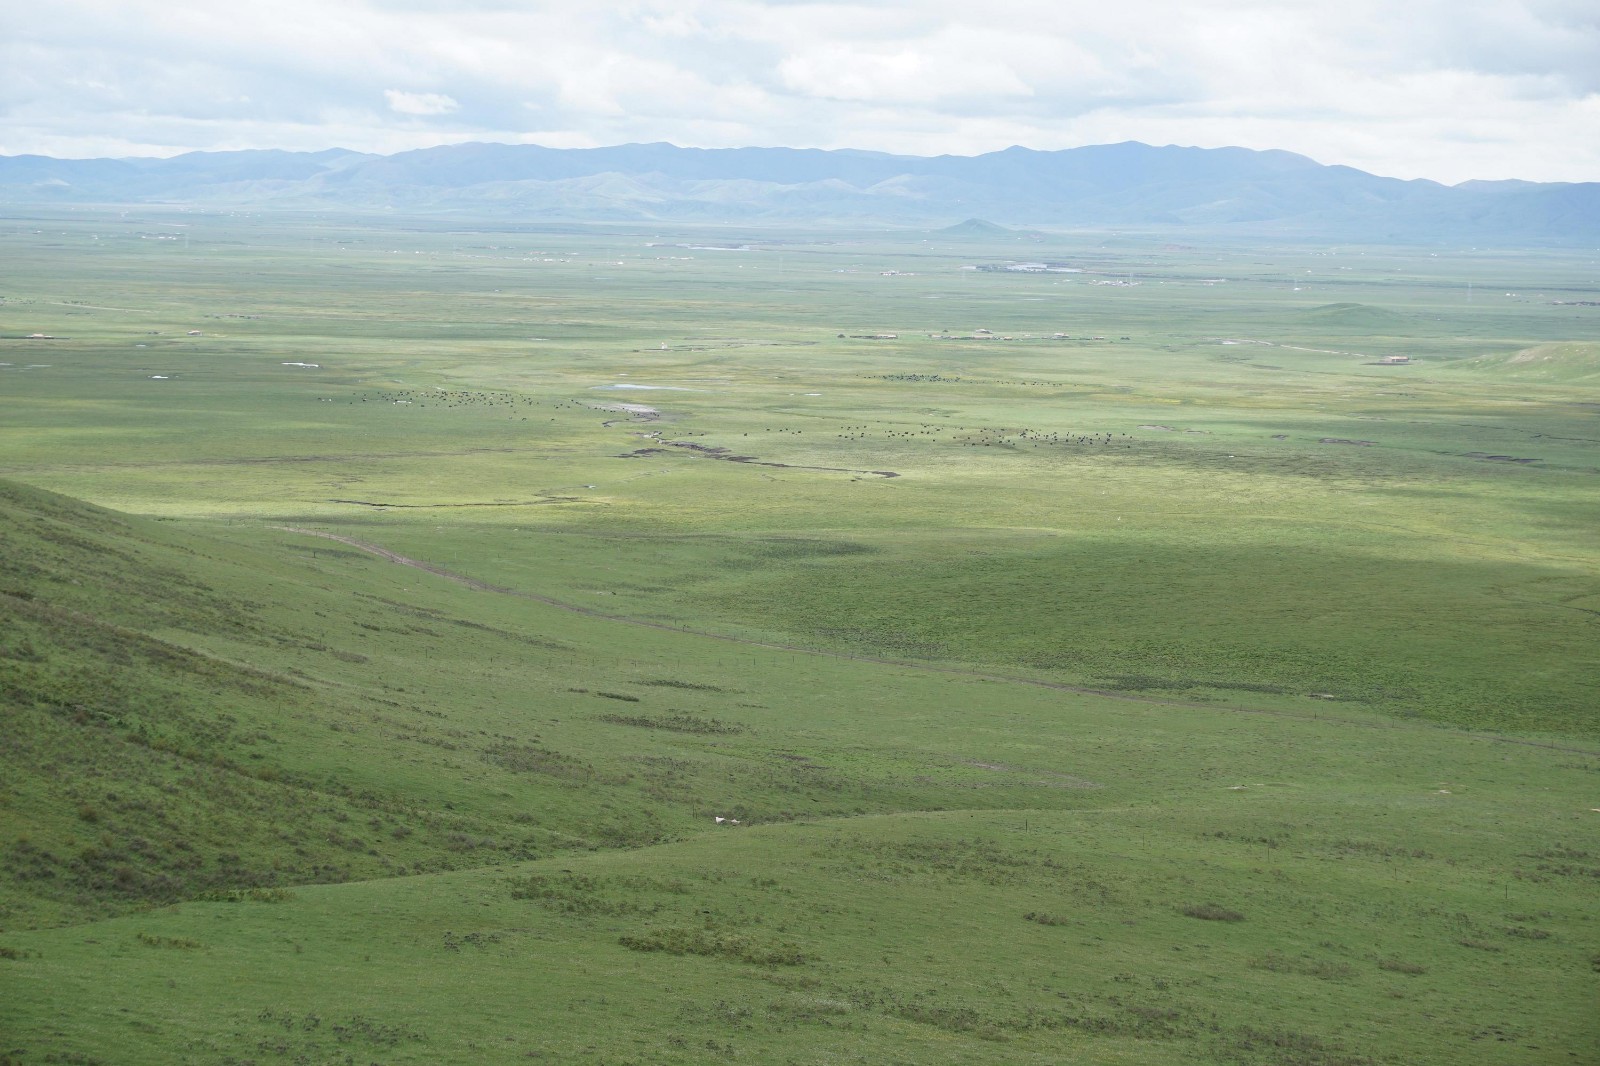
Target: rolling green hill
1568	361
160	715
204	723
1364	318
976	227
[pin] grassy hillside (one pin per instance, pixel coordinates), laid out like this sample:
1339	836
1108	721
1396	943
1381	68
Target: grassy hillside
421	644
927	865
159	720
1570	361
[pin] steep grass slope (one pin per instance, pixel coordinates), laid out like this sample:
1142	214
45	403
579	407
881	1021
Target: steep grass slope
143	767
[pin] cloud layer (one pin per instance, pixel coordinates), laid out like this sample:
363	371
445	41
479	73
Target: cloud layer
1427	88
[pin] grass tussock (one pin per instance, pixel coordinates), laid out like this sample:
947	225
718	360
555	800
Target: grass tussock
1039	918
1305	966
1411	969
677	723
732	946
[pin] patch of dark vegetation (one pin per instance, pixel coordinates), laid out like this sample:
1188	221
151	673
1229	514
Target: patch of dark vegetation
58	1058
245	895
587	897
667	682
1561	861
886	641
1285	1047
810	1009
149	852
334	553
433	615
1211	912
624	697
1047	919
1486	457
1154	683
182	943
677	723
1142	683
1248	686
534	759
1526	932
971	860
1376	850
732	946
1322	969
950	1019
1246	839
1132	1021
1402	966
808	547
471	940
711	451
355	1029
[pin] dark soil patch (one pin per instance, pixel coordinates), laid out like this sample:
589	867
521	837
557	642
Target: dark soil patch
710	451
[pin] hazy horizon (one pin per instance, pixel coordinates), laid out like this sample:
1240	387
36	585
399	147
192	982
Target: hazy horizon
1447	92
738	147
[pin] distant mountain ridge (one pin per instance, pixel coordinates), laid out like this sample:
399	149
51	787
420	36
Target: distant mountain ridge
1128	184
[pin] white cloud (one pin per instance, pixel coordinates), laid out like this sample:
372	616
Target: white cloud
1448	89
404	103
916	72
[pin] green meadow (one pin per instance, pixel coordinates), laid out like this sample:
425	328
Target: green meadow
430	641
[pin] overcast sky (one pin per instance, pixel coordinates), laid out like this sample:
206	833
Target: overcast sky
1443	89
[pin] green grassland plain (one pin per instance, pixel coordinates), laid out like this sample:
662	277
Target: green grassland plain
1115	663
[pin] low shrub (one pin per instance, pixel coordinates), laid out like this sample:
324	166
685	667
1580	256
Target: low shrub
716	945
1401	966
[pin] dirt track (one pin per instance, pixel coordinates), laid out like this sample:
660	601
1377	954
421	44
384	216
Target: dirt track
484	586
